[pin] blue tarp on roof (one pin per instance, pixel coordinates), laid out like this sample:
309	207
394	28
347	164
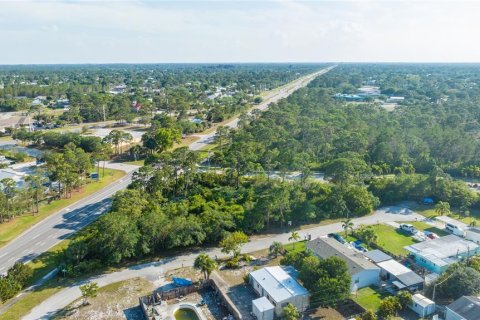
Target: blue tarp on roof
182	282
427	200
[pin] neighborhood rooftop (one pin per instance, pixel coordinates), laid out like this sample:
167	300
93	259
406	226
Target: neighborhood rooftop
468	307
444	250
328	247
278	283
421	300
377	256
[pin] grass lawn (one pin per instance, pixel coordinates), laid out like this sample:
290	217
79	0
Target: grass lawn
11	229
392	240
136	163
47	261
32	299
429	212
299	246
369	298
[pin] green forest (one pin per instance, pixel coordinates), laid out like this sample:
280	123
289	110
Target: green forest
370	156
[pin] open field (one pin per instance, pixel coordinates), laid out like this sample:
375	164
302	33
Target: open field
12	229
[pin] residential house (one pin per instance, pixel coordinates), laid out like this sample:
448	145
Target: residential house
279	288
464	308
436	255
364	273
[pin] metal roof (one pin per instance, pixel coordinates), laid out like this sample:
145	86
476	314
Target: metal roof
444	250
421	300
410	279
468	307
377	256
402	273
393	267
278	284
328	247
263	304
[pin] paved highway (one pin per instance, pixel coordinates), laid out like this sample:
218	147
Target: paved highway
276	95
59	226
67	221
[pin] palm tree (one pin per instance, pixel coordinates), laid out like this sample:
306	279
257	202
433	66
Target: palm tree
276	248
205	264
442	208
347	224
35	186
294	236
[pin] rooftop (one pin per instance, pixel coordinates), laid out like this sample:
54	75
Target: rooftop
278	283
444	250
402	273
377	256
393	267
467	307
452	221
263	304
328	247
474	230
421	300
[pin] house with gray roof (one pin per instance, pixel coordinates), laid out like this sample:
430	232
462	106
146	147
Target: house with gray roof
364	273
464	308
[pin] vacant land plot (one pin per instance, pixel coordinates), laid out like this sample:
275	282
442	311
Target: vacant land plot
393	240
115	301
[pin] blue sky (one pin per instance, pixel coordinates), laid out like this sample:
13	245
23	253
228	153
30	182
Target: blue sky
238	31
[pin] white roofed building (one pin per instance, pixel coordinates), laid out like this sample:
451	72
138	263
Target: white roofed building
280	289
436	255
422	306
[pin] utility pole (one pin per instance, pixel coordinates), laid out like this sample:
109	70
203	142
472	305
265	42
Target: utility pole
435	285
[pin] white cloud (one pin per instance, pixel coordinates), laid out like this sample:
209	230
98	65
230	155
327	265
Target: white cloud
210	31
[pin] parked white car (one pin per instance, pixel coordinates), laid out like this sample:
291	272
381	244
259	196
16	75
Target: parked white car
408	228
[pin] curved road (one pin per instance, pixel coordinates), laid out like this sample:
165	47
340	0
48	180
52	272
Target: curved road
152	271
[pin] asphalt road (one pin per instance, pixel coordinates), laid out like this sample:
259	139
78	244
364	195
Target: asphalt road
67	221
154	270
59	226
206	139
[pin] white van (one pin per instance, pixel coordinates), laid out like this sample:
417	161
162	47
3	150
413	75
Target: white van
456	230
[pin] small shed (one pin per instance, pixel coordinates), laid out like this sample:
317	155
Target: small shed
263	309
421	305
